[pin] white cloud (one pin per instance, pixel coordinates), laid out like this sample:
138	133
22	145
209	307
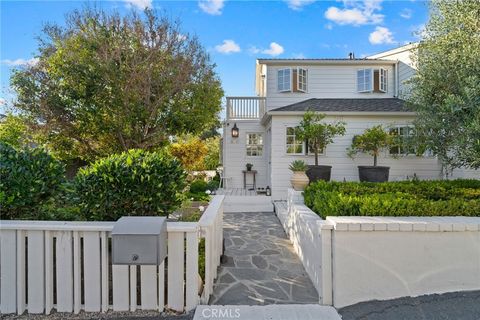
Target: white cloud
274	50
329	26
406	13
228	46
356	13
419	31
298	4
299	56
381	35
213	7
139	4
20	62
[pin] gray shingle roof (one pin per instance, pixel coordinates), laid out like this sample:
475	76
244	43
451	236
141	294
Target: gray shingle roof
348	105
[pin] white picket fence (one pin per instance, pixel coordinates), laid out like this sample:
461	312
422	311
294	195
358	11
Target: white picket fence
66	266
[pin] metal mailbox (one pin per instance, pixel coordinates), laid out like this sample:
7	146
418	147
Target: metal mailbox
139	241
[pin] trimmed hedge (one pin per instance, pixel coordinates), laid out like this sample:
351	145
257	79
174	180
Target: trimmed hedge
30	179
133	183
406	198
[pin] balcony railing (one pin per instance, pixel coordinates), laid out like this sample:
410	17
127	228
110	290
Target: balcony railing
245	108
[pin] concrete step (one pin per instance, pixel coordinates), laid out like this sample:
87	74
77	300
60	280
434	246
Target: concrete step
247	204
268	312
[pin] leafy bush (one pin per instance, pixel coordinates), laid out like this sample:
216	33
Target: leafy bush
214	183
29	179
198	186
190	151
136	182
405	198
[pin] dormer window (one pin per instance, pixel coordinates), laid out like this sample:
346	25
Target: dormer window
292	80
372	80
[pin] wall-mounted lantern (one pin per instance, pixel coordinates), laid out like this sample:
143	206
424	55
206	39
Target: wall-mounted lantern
235	131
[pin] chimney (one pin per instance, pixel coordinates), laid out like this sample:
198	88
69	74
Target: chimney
351	56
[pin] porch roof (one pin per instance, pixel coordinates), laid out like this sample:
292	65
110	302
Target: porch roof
347	105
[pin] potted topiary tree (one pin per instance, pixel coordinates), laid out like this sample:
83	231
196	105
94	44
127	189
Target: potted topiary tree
372	141
318	135
299	179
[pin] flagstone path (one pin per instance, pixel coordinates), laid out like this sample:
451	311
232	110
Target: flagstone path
261	266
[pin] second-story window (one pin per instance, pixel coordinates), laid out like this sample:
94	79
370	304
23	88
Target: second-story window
302	80
292	80
372	80
383	80
364	80
284	80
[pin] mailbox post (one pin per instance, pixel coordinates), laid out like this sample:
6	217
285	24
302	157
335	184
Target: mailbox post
139	241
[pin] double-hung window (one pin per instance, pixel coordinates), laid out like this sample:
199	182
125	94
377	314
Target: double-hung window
254	144
364	80
284	80
293	144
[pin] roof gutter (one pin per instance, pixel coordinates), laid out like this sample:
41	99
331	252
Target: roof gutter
297	62
345	113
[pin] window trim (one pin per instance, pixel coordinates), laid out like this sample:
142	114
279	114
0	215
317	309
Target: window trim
298	79
255	145
283	77
401	154
383	73
294	144
371	80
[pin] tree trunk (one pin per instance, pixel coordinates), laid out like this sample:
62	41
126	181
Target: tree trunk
316	156
374	160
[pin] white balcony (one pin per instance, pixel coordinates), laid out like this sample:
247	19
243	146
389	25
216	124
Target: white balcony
245	108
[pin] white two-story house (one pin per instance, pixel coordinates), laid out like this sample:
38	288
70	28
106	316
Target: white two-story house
361	92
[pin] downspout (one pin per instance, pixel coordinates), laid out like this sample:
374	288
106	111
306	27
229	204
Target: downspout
396	79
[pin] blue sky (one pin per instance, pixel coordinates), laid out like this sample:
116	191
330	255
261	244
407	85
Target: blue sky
236	32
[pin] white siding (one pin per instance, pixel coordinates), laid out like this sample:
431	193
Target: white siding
406	65
325	81
335	155
235	157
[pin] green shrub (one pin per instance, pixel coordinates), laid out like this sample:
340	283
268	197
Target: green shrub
405	198
213	184
29	180
133	183
198	186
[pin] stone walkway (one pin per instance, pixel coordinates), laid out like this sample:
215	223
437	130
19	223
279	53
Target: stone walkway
261	266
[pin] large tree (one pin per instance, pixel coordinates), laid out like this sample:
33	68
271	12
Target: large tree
106	83
446	88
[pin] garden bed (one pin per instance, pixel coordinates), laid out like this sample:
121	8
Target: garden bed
404	198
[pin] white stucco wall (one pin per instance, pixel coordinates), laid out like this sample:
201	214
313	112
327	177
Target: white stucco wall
387	257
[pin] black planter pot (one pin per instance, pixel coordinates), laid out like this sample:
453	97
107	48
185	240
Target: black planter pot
373	173
315	173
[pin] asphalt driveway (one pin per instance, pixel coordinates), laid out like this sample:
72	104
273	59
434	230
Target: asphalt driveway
448	306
